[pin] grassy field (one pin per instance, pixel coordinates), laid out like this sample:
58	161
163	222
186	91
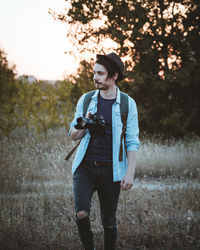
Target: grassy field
37	205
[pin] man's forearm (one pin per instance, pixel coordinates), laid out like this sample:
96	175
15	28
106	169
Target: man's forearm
131	157
76	134
127	182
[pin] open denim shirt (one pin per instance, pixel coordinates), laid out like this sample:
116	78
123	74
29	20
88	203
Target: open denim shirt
132	133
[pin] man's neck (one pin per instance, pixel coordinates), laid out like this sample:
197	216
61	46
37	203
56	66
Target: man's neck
109	94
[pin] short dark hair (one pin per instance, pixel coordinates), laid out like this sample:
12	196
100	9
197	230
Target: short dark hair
110	67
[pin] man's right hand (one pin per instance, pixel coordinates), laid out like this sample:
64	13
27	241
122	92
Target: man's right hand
77	134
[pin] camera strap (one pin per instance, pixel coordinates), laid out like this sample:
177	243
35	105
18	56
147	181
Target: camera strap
124	113
86	103
72	151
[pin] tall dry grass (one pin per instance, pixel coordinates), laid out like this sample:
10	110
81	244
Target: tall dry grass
175	158
29	158
37	205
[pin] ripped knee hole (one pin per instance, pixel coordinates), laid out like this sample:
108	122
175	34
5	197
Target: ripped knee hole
81	214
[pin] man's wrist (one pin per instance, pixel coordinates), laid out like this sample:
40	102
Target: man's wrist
131	170
77	134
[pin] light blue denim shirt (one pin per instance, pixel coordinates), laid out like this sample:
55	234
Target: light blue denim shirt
132	133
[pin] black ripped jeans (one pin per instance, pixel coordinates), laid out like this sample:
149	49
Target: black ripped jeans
87	180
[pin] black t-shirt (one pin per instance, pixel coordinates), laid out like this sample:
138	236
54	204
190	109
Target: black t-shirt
101	148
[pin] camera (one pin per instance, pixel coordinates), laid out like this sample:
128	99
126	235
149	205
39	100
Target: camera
95	123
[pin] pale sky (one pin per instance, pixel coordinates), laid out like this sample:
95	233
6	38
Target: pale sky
33	41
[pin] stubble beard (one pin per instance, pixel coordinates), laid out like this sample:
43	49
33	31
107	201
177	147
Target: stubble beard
100	86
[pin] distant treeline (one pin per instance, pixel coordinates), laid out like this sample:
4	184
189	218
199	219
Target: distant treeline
169	109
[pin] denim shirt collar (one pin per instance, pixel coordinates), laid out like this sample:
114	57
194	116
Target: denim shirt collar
118	96
95	96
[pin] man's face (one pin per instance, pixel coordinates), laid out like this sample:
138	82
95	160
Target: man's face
101	79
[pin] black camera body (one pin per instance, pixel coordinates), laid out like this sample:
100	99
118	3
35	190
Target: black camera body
95	123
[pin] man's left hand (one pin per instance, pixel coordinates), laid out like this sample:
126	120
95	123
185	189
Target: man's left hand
127	182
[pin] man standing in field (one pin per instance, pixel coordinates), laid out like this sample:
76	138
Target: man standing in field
106	156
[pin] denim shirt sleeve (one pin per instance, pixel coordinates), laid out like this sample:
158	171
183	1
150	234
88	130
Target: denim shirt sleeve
132	131
78	113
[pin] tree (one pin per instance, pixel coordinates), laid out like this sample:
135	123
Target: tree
7	78
160	40
24	104
143	29
64	104
83	81
45	110
8	92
